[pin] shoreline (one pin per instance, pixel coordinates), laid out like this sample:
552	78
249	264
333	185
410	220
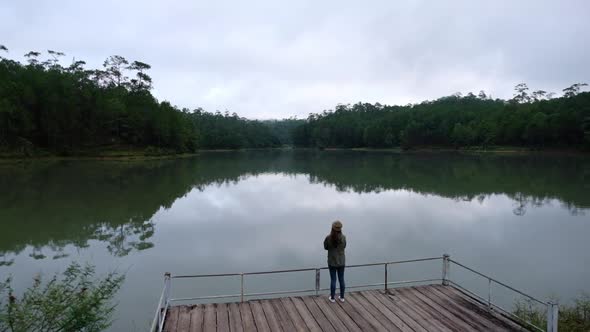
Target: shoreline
139	156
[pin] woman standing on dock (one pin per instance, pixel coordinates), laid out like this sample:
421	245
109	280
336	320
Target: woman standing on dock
335	243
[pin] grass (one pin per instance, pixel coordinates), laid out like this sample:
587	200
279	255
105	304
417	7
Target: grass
572	318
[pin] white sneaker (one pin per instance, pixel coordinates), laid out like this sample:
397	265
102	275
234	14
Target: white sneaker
331	299
341	299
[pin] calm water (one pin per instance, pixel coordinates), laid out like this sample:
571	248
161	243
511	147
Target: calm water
522	219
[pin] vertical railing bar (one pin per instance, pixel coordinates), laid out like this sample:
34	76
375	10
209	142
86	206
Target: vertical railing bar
242	287
552	316
167	286
158	317
317	281
386	277
445	269
489	294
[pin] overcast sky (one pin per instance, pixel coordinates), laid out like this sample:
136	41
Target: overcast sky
275	59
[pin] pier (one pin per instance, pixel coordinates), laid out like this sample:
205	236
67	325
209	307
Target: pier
412	305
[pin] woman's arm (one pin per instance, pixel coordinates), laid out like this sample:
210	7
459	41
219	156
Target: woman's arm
326	243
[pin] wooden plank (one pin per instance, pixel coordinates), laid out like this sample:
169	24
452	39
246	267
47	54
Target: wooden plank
184	318
210	320
259	317
296	318
283	317
235	320
482	309
433	320
247	318
355	316
171	319
393	307
197	315
476	308
396	298
272	317
377	326
339	323
386	312
469	315
450	324
446	312
317	313
496	315
389	325
312	325
222	317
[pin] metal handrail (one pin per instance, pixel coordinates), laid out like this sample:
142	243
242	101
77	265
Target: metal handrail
227	296
499	282
301	270
497	307
165	300
550	307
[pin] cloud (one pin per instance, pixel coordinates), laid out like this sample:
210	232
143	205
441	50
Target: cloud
271	59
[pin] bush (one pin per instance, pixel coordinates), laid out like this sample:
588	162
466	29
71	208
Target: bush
75	302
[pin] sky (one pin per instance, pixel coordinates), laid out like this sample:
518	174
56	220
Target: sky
277	59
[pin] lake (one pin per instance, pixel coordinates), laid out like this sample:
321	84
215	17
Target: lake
524	219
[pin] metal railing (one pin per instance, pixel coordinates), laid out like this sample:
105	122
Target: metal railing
165	299
551	308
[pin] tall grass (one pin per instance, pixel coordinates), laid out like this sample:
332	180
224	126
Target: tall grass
573	317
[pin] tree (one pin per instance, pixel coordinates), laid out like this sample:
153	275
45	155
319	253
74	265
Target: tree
32	57
462	135
586	128
75	302
539	95
573	90
114	66
54	58
3	48
521	95
536	130
143	81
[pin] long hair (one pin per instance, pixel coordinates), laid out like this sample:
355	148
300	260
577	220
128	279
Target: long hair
335	238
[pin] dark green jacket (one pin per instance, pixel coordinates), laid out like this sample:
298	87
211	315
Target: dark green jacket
336	255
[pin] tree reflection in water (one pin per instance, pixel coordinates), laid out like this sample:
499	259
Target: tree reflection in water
47	206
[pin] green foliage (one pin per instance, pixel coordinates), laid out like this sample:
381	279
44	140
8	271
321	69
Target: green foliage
74	302
586	128
69	110
528	120
283	130
572	318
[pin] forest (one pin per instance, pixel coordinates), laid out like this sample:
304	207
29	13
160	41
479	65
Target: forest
45	106
71	110
533	120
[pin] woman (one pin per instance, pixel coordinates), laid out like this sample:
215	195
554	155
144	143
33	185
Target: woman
335	243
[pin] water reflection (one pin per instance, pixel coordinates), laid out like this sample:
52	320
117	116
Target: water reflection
47	206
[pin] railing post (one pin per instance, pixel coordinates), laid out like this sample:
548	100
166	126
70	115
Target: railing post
386	277
490	294
242	287
446	269
552	316
317	281
167	284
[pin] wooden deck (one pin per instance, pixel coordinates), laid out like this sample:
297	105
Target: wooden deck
419	308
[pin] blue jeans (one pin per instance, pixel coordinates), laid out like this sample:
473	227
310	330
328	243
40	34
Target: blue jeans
333	271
